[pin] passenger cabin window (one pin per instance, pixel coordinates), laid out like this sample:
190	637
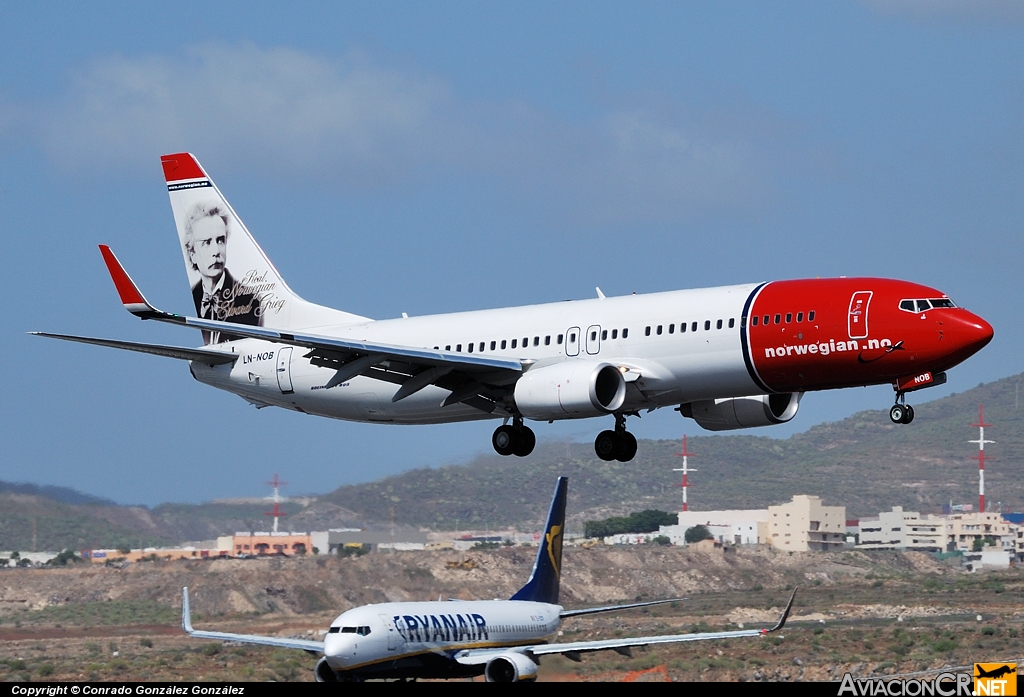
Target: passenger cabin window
536	341
778	319
526	341
547	340
572	337
615	333
593	335
732	322
789	317
671	329
493	345
448	347
625	332
604	334
458	347
647	331
707	325
559	342
693	327
810	316
753	321
719	324
502	344
659	330
682	327
514	342
765	320
799	317
469	348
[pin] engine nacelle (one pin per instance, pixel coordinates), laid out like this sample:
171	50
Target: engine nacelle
572	389
323	672
743	412
510	667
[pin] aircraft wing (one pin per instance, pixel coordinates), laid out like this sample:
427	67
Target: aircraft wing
471	378
572	650
280	642
210	356
613	608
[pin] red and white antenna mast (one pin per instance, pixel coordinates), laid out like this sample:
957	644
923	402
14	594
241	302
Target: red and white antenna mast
277	499
685	469
981	454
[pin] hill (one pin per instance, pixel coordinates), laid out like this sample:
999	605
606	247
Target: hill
863	462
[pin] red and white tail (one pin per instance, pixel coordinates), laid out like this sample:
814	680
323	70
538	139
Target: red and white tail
232	279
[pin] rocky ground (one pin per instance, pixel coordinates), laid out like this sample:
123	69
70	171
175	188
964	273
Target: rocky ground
870	614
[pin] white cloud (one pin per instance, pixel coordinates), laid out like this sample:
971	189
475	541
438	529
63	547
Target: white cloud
368	125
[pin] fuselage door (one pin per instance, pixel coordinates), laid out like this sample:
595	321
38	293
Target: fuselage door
572	341
594	339
392	632
284	369
858	317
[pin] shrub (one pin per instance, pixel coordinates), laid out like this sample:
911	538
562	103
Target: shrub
697	533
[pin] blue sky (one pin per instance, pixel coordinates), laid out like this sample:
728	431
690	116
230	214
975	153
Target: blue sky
422	158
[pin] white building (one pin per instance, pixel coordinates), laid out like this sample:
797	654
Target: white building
736	527
899	529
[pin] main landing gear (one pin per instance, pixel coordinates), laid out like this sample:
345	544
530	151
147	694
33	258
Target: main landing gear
516	439
901	412
619	444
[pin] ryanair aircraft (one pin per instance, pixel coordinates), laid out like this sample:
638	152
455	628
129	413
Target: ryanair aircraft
503	640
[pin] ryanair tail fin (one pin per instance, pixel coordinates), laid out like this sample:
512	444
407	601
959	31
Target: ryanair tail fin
232	279
547	569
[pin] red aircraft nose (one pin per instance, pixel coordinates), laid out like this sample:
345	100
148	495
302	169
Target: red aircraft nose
971	333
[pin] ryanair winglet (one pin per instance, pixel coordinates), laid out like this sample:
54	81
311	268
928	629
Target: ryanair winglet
543	584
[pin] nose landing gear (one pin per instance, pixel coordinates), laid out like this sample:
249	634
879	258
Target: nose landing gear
619	444
516	439
901	412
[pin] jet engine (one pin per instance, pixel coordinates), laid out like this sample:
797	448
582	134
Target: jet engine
510	667
323	672
572	389
743	412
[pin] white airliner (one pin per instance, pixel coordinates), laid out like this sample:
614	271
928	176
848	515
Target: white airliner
731	357
503	640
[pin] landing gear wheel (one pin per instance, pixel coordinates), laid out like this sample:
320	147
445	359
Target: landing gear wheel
524	442
908	414
898	413
627	448
607	445
504	440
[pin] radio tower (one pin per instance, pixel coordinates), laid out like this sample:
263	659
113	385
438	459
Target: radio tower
277	499
685	470
981	454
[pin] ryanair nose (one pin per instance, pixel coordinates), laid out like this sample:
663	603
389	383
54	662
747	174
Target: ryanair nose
340	649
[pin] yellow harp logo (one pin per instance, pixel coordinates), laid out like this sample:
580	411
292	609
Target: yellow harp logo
554	539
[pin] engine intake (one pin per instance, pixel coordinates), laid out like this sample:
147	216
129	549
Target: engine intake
510	667
743	412
572	389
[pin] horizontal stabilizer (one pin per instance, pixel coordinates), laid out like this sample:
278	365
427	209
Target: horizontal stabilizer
613	608
207	356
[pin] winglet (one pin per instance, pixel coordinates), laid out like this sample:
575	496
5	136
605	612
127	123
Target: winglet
186	613
785	615
131	297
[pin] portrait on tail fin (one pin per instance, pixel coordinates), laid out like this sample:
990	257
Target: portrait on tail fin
218	295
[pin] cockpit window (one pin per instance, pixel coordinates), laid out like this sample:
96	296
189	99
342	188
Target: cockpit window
361	631
923	305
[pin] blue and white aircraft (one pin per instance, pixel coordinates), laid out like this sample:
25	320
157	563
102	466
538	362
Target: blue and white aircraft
503	640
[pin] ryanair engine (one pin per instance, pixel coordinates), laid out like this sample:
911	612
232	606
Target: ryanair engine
743	412
572	389
510	667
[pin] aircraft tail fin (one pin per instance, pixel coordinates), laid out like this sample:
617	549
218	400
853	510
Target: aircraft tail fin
547	569
232	279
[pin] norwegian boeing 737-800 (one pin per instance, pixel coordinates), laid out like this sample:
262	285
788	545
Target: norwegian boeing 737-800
730	357
503	640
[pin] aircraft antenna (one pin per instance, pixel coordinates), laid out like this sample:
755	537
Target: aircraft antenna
277	499
981	455
685	469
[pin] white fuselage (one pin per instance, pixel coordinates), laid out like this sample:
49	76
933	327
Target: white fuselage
673	367
372	635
